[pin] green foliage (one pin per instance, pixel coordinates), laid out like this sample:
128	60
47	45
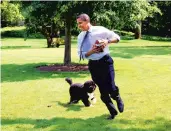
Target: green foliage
10	13
124	33
122	14
19	32
12	28
143	9
160	24
41	14
156	38
13	32
62	14
113	14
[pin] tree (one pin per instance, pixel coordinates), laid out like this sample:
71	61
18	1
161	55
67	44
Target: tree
146	9
42	17
10	13
112	14
68	12
60	14
160	24
126	14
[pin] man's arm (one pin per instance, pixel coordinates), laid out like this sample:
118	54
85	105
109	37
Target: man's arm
92	51
112	38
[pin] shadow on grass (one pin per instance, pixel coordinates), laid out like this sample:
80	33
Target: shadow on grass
15	47
15	72
71	107
98	123
134	51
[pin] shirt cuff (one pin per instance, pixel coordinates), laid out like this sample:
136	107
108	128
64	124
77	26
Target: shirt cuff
117	37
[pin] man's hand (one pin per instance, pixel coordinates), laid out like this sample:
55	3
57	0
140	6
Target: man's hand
104	43
96	49
92	51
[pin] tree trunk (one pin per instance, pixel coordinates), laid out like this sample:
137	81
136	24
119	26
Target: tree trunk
138	30
47	34
67	53
49	41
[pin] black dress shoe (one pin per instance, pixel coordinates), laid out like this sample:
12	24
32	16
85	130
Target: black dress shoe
120	104
111	117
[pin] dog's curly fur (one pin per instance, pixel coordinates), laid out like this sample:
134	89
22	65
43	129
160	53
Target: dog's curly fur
82	92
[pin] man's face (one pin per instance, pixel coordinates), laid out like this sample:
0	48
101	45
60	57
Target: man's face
82	25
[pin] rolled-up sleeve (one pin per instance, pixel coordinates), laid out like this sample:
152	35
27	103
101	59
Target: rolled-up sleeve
112	34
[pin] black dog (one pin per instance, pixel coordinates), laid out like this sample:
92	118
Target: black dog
82	92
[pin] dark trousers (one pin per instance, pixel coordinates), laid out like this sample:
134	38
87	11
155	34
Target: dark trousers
103	74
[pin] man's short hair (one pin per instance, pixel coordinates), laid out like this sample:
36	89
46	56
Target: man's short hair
84	17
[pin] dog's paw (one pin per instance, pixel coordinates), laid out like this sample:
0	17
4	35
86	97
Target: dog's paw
91	105
73	102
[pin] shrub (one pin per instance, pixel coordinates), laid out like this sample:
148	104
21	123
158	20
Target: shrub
124	33
18	32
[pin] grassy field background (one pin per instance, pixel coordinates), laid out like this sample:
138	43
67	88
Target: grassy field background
32	100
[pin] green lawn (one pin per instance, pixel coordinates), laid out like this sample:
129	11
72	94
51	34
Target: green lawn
36	101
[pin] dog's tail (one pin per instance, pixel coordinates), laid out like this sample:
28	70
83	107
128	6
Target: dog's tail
69	80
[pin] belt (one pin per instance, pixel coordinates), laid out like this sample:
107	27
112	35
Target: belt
101	60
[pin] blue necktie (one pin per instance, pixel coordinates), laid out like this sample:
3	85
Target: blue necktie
81	54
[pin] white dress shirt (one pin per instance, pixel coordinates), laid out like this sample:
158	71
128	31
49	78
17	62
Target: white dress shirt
95	33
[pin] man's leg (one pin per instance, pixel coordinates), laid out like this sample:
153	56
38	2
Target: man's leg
108	102
113	89
100	74
116	96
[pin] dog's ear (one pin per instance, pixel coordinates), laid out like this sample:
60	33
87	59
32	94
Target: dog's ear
89	86
86	85
94	83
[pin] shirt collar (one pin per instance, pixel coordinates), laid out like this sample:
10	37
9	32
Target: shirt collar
90	29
